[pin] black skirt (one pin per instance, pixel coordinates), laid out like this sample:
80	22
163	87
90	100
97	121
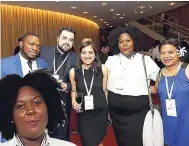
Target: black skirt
127	114
92	126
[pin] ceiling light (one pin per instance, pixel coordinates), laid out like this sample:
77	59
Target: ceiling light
56	1
121	17
135	11
141	7
107	24
95	16
104	4
117	14
150	7
142	12
85	12
101	19
124	15
104	22
114	18
110	26
112	10
171	4
73	8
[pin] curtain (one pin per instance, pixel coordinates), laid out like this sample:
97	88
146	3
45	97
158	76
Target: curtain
16	21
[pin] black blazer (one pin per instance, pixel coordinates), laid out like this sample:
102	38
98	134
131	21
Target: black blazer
47	53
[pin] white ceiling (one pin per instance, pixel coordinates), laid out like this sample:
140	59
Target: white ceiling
94	8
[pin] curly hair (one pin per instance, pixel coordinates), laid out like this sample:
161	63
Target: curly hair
134	32
40	80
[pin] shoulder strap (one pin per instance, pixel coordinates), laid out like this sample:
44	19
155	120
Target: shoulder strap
149	94
184	65
160	74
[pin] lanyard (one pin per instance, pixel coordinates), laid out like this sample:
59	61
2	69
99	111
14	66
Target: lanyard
55	71
169	93
88	90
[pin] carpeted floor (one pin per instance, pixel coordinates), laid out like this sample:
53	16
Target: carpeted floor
109	139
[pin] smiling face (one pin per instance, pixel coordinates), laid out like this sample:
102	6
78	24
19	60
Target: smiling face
125	44
87	55
30	113
30	47
65	41
168	55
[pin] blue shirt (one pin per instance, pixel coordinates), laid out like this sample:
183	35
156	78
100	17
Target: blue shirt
176	129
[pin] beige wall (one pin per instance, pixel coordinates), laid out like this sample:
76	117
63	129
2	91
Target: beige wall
16	21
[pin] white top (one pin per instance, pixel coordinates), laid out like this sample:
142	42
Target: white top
155	53
51	141
25	68
130	73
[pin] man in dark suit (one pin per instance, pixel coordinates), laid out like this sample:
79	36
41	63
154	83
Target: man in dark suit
61	58
24	61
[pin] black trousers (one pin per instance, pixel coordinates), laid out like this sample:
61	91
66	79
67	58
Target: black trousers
62	131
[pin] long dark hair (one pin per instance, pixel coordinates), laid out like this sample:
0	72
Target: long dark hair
96	65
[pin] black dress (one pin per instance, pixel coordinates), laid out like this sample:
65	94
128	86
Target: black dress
92	124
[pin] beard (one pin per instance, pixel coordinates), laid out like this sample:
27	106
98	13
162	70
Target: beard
64	47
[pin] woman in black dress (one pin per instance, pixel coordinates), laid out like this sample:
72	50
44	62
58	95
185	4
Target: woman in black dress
89	78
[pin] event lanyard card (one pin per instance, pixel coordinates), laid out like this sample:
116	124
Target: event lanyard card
89	103
171	107
56	76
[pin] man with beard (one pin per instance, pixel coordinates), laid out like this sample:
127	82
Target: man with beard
26	60
60	59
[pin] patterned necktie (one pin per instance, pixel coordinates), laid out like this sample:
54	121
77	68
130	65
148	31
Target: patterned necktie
30	64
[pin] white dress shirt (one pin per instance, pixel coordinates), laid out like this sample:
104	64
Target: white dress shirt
50	142
24	63
130	74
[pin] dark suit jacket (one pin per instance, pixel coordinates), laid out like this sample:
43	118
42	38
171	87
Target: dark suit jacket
47	53
12	65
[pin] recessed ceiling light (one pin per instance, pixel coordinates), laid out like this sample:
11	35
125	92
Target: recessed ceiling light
95	16
117	14
104	4
107	24
124	15
101	19
135	11
104	22
150	7
141	7
142	12
121	17
85	12
112	10
114	18
171	4
73	7
110	26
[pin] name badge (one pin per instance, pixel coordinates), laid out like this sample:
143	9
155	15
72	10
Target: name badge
171	107
56	76
89	103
